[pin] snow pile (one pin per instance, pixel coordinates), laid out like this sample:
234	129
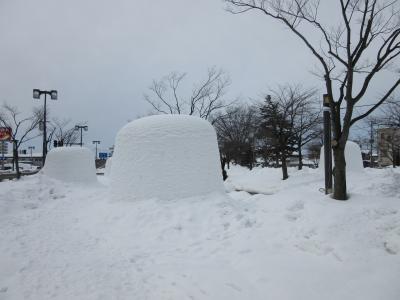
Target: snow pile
107	169
70	164
353	156
62	241
167	156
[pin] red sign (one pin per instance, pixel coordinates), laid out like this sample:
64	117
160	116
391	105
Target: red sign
5	134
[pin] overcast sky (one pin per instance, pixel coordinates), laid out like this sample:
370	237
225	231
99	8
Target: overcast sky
102	55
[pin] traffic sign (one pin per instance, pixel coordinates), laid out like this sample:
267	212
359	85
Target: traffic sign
103	155
5	134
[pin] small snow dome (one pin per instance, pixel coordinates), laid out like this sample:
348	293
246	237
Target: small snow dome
167	157
353	156
71	164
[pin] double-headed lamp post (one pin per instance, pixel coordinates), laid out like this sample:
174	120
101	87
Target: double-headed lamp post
53	96
96	143
81	127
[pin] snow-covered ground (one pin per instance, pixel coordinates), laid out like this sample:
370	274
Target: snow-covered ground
289	241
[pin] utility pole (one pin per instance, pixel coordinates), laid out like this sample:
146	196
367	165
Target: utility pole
327	143
53	95
80	127
96	143
31	148
371	142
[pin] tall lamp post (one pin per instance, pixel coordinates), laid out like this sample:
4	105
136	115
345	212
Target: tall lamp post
96	143
327	144
81	128
53	96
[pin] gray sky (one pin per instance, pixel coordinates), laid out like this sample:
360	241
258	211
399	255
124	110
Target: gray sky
102	55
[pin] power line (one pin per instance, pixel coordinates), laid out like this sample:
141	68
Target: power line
367	105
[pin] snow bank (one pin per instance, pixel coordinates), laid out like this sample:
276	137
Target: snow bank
353	156
167	156
59	242
70	164
107	169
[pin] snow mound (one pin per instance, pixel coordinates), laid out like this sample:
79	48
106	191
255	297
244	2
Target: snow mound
71	164
166	156
107	169
353	156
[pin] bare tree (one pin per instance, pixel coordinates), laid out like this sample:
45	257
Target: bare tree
22	128
391	114
206	97
364	42
289	121
307	119
64	133
236	129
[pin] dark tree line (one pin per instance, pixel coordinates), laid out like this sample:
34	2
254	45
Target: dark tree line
271	131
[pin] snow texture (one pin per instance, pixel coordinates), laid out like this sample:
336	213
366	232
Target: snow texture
68	241
167	157
71	164
353	156
107	169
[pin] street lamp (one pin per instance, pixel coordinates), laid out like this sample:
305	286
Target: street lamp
80	127
96	143
53	96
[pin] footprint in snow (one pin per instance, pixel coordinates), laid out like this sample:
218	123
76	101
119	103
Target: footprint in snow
292	217
297	206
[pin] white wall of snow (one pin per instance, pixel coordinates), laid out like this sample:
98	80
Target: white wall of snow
71	164
167	157
107	169
353	157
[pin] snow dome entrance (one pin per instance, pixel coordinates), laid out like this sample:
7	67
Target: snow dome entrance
166	156
71	164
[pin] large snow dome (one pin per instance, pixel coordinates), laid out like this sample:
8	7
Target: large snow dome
166	156
107	168
353	156
71	164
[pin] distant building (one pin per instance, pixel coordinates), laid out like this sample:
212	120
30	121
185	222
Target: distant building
389	146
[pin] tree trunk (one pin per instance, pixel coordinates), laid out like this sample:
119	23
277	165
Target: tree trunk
339	174
300	158
393	155
15	155
284	168
250	159
223	163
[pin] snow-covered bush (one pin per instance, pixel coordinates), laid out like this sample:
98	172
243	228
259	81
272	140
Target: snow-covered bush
166	156
353	157
71	164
